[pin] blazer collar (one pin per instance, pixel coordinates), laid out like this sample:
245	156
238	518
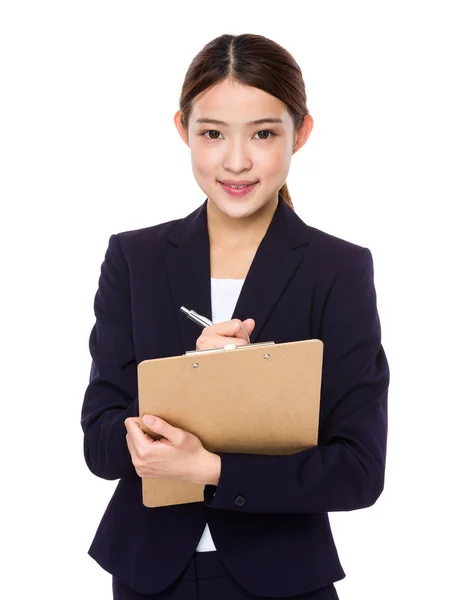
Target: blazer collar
188	266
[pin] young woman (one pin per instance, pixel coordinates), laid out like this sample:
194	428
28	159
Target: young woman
246	260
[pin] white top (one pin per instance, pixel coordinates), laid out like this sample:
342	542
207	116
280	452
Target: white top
224	296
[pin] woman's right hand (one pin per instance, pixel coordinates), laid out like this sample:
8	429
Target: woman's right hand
227	332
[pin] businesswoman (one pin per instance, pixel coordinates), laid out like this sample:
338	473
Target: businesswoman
247	261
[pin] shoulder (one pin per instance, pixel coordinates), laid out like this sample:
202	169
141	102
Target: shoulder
146	236
335	252
136	246
129	248
333	260
342	265
156	238
327	241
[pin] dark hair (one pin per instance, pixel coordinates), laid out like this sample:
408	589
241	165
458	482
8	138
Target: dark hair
251	60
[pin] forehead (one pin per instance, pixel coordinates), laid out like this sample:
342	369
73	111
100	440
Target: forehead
236	104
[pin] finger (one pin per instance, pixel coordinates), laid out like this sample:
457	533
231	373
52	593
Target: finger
249	325
162	427
227	328
243	333
132	424
136	435
233	328
129	443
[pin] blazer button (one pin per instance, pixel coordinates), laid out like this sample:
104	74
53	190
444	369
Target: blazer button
240	501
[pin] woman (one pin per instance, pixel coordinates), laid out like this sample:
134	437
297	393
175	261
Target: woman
246	260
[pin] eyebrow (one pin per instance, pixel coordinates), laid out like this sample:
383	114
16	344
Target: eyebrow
257	122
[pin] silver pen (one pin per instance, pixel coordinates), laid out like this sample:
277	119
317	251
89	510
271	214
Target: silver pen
199	319
204	322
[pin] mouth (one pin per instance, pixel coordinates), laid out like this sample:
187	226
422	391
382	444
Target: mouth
238	190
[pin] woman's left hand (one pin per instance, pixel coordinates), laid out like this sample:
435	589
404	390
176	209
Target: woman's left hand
178	455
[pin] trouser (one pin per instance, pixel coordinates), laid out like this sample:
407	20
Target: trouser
206	578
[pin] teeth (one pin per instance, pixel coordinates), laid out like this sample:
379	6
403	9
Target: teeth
237	187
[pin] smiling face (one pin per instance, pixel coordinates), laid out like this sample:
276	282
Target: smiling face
232	141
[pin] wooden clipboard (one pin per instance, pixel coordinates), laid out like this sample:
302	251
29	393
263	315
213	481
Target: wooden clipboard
257	399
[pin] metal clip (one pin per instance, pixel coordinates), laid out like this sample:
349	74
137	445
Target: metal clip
227	347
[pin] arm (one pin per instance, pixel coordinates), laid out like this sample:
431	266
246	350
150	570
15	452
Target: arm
346	470
111	395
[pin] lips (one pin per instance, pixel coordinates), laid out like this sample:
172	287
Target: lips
238	183
238	191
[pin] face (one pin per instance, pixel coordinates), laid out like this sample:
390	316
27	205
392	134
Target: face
227	148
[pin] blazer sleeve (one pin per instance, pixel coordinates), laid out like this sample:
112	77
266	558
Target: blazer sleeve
111	395
345	471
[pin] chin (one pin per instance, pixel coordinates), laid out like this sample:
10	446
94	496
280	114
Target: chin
237	209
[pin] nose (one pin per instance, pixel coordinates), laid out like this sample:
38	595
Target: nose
237	157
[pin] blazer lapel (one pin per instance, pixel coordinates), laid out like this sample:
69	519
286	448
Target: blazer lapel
276	260
188	267
278	257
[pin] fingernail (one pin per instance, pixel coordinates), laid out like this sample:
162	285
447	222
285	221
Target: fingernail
148	420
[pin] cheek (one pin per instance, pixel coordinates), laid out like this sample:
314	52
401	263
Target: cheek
203	160
275	161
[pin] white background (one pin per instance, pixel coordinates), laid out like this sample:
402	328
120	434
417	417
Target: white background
88	148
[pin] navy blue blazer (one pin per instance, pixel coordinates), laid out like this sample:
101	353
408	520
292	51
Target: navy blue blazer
303	283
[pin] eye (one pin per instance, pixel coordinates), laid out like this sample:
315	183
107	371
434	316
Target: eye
211	131
267	134
271	133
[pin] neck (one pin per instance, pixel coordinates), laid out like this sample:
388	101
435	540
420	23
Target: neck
224	231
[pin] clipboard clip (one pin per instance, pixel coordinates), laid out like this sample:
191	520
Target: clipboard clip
228	347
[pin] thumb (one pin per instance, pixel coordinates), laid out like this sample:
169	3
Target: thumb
244	329
158	425
249	325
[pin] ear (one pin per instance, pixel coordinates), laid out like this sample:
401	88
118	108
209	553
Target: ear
182	132
303	133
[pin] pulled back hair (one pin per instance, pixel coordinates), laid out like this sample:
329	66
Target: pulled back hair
251	60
